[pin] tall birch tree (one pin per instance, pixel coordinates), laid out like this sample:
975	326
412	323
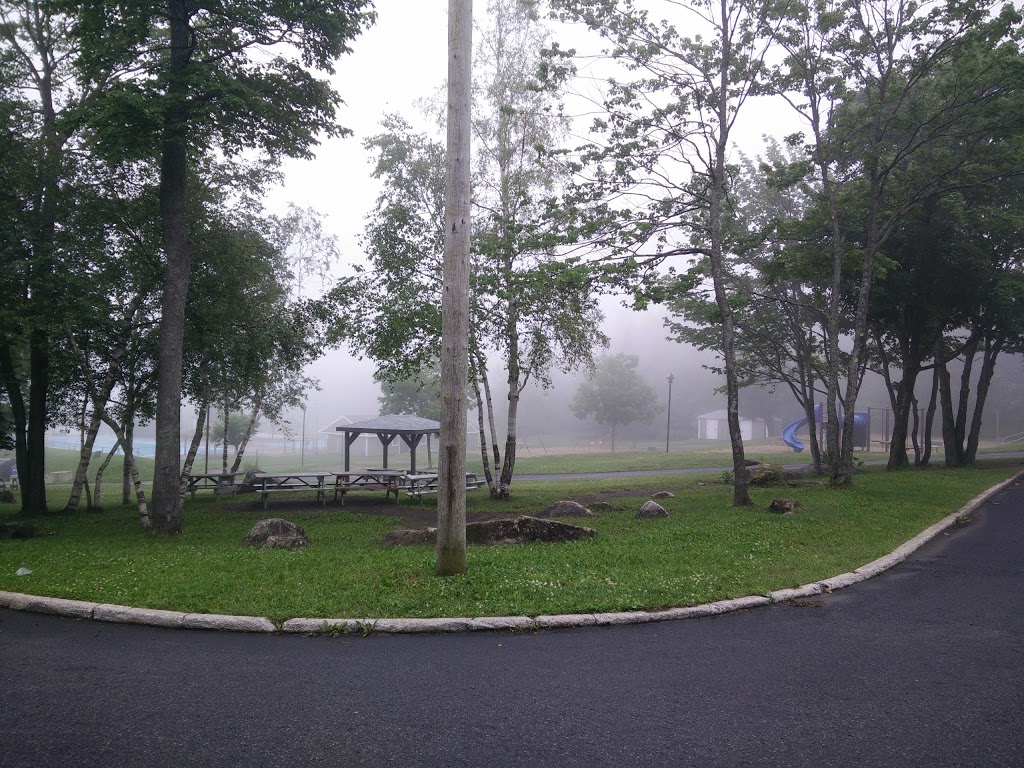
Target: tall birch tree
658	168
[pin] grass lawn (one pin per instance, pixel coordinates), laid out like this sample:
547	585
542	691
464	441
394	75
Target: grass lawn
707	550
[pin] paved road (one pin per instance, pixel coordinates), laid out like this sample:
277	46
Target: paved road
922	666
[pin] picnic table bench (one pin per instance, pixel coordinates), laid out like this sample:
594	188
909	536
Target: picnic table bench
274	482
423	483
368	479
220	482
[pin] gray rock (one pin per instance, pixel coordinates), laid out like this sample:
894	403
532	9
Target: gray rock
605	506
664	495
783	506
16	530
652	509
564	509
248	483
767	475
276	533
6	496
516	530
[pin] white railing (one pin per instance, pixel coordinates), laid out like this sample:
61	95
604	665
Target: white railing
1011	438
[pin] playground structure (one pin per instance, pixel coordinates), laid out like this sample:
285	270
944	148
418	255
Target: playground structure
861	429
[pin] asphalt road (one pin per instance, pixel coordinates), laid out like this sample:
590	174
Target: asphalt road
922	666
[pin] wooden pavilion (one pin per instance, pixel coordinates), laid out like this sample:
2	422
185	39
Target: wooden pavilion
412	430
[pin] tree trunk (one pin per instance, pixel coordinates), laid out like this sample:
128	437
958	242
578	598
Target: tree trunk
905	401
167	497
929	419
953	457
33	486
140	494
916	430
129	436
96	504
99	403
257	405
484	458
511	437
14	397
224	443
988	369
493	429
193	447
960	428
451	498
718	199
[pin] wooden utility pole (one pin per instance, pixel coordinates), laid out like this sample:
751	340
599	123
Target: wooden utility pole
451	497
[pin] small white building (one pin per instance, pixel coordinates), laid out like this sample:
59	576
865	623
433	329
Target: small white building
715	426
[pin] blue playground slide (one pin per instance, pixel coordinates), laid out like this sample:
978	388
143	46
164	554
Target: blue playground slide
860	425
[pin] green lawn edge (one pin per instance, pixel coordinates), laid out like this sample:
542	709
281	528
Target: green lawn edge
706	551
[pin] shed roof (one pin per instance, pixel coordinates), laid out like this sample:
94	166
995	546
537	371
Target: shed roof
724	414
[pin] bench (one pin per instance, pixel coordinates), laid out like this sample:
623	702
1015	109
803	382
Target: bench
298	481
368	480
418	486
221	482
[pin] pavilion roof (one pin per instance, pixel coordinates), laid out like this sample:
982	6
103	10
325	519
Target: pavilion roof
393	424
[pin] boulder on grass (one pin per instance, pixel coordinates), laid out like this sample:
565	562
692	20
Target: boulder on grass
6	496
767	475
276	533
783	506
516	530
664	495
564	509
652	509
606	506
248	484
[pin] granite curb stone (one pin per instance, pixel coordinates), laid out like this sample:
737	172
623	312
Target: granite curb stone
219	621
123	614
176	619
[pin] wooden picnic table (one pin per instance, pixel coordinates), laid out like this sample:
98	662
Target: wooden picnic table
367	479
273	482
219	481
422	483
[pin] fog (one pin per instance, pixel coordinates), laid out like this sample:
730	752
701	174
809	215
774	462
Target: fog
347	388
546	421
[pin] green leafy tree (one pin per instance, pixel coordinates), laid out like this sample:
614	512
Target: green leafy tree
204	75
237	425
42	105
531	307
420	396
880	85
615	395
658	177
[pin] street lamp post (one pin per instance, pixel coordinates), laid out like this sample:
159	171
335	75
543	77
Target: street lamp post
668	421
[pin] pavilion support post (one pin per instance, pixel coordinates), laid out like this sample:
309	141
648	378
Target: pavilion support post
412	441
386	440
350	437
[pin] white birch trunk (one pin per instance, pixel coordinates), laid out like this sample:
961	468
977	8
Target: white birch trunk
96	505
257	405
193	447
140	494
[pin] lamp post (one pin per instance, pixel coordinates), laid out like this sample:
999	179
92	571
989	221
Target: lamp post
668	421
302	454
